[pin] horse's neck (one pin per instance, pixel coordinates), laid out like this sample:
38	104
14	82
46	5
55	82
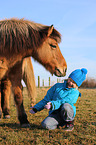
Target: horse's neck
27	53
13	58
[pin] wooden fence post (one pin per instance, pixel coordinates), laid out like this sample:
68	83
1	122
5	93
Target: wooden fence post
38	81
43	83
49	81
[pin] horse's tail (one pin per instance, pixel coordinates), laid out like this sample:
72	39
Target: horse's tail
29	79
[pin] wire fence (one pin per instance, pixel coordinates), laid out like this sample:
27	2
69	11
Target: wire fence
41	82
47	82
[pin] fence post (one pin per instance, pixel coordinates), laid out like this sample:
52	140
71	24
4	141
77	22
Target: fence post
38	81
49	81
43	83
58	80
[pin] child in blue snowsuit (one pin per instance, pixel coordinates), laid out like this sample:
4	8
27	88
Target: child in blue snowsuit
60	100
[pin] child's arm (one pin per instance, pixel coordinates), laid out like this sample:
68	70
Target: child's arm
42	104
33	110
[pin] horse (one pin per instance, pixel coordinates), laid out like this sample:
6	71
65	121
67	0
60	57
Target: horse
20	38
28	78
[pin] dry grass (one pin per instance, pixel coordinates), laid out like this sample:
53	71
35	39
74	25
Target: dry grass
84	132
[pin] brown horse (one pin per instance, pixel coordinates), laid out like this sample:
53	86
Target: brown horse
28	78
20	39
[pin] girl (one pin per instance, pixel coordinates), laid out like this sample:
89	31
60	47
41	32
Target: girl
60	100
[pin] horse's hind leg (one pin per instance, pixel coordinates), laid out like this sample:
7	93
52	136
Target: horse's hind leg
0	103
0	107
5	94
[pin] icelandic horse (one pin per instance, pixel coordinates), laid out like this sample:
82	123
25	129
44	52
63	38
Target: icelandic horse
19	39
29	79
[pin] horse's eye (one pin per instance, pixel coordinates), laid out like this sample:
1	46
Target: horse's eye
53	46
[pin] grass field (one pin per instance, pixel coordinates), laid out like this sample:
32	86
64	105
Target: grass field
84	132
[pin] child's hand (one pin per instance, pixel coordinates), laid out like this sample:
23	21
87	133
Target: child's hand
31	111
48	106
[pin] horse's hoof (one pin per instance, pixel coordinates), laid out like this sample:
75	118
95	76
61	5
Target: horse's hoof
6	117
25	126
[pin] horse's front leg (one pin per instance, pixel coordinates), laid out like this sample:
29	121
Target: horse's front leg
15	76
20	108
5	94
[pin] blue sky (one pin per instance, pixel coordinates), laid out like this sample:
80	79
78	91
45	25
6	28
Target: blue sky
74	19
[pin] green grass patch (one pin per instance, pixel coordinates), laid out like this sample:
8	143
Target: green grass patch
84	132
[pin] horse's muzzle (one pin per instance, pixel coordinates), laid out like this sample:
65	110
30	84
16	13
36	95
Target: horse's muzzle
60	73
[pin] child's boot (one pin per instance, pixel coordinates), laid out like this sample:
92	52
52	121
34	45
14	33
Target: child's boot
69	126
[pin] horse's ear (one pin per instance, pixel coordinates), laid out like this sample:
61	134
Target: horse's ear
50	30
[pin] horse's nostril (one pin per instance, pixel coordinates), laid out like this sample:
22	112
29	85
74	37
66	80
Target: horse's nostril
66	70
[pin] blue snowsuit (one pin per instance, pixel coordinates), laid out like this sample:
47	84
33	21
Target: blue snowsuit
58	95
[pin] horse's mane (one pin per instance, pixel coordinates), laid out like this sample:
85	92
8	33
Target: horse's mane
17	34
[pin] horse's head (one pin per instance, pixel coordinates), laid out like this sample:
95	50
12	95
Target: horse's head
26	38
50	56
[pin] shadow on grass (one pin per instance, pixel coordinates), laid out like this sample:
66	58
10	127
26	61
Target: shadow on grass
17	126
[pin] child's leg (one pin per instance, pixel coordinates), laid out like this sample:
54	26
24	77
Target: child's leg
67	115
67	112
52	121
